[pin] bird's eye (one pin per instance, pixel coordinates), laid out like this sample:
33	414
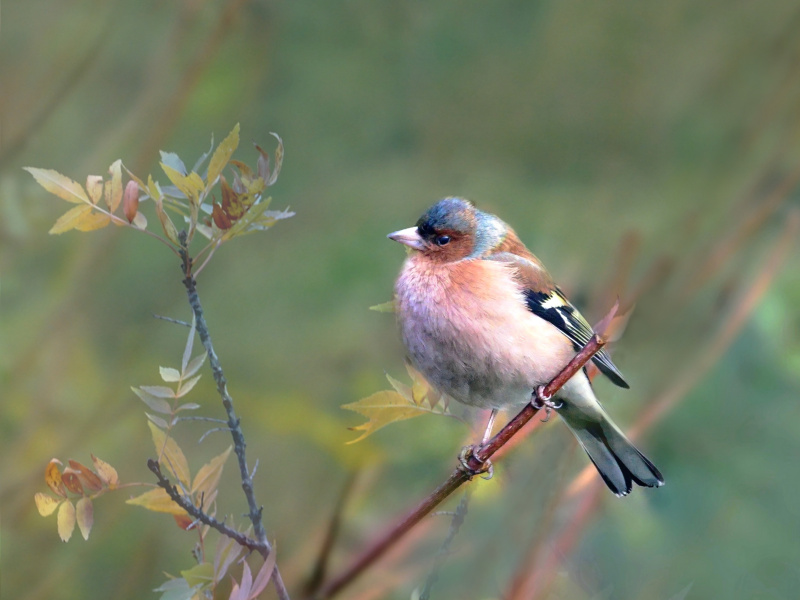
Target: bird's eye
442	240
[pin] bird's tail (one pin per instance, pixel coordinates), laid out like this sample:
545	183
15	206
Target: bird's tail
617	460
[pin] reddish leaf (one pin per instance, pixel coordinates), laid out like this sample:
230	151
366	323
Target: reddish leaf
71	481
184	521
130	201
88	477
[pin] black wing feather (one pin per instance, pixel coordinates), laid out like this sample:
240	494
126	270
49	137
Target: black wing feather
554	308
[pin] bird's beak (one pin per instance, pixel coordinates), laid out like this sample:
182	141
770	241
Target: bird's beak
410	237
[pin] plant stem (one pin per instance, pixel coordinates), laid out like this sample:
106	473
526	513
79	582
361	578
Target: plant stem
239	444
475	461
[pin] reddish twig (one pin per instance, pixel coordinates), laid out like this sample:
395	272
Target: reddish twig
475	462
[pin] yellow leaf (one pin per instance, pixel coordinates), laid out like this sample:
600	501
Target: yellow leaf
187	184
207	478
170	454
113	188
46	504
166	224
381	409
91	221
106	472
157	500
66	520
84	513
222	155
58	184
94	185
52	477
70	219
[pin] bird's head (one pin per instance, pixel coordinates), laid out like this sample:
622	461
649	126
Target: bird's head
453	229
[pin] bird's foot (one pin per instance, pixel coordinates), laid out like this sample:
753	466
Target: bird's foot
486	467
541	400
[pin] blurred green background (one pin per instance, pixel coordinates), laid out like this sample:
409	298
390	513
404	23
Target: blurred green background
633	145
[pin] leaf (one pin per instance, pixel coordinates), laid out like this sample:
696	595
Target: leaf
264	574
401	388
187	386
159	422
242	591
227	553
71	481
155	403
94	186
66	520
173	457
169	375
420	389
166	224
106	472
139	221
201	574
194	365
45	503
222	155
113	188
52	477
278	160
384	307
177	589
173	161
188	406
207	478
58	184
93	220
84	513
159	391
156	500
187	349
189	185
381	409
70	219
88	477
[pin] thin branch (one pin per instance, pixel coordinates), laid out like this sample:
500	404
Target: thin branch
475	462
199	514
239	444
456	522
171	320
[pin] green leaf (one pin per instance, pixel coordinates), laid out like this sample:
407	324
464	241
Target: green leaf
201	574
58	184
187	350
222	155
384	307
194	365
187	386
278	160
155	403
177	589
159	391
381	409
169	375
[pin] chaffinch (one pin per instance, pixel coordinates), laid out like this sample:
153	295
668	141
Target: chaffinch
484	322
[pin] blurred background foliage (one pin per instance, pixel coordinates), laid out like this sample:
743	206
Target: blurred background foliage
641	149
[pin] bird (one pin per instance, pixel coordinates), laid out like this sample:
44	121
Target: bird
483	321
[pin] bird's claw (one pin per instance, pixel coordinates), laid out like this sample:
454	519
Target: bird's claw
486	467
544	401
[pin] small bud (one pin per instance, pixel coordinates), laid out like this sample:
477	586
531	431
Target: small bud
130	200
